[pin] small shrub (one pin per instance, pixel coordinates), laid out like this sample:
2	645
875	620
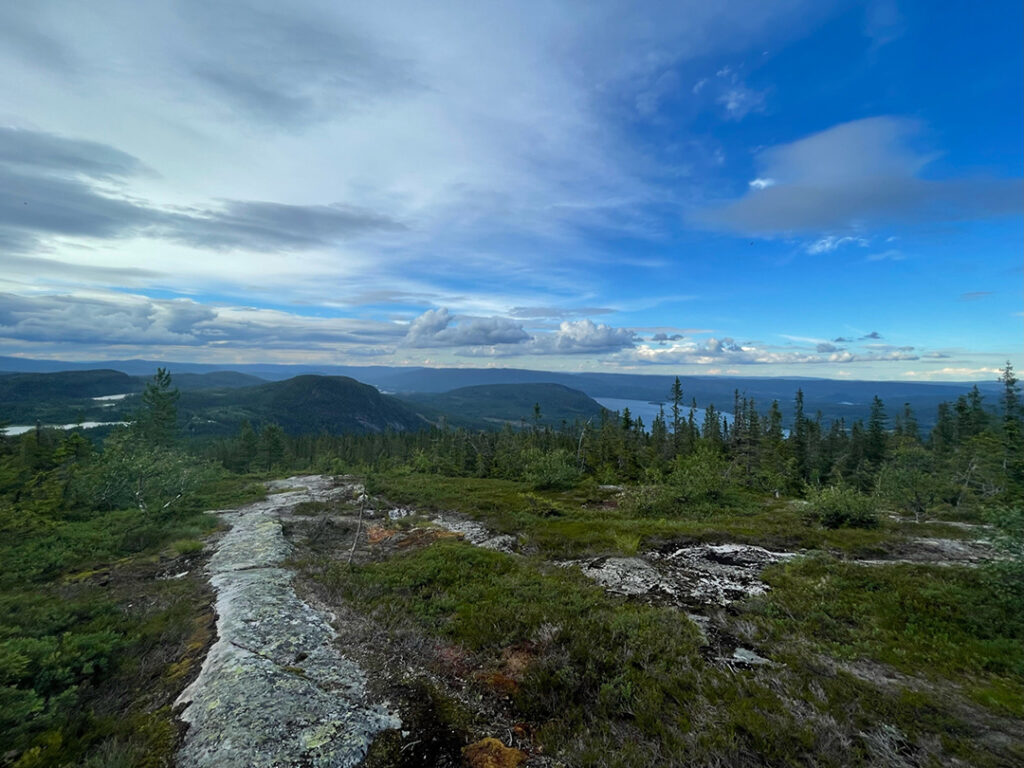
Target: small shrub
838	506
700	476
550	469
186	546
1006	574
649	501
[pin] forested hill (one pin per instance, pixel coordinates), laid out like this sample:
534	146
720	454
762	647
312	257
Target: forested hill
92	395
492	405
65	385
301	405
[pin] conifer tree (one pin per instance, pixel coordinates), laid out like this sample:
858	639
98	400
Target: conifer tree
677	419
1013	429
157	421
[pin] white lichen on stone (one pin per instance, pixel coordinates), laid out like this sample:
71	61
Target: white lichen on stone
274	689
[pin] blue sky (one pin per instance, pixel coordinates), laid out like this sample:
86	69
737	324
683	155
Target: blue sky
735	188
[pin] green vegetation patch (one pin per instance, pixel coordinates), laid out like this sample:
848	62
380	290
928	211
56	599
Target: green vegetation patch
587	520
931	621
616	683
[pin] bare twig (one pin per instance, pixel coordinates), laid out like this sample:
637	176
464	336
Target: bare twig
359	528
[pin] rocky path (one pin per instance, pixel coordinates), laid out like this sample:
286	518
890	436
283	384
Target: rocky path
275	690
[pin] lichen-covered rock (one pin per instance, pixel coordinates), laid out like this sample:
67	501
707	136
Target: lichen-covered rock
475	533
626	576
491	753
699	575
274	689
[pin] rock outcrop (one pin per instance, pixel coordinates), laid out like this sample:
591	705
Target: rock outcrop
275	689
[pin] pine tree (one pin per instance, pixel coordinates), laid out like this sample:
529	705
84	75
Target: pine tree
157	420
799	438
248	447
271	446
876	440
943	436
1013	429
910	430
677	419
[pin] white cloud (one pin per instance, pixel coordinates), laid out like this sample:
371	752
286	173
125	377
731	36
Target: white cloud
890	255
856	174
739	101
115	319
727	351
582	336
830	243
434	328
947	373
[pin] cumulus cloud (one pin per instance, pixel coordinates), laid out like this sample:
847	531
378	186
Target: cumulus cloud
435	328
582	336
113	319
951	372
502	336
99	319
853	175
727	351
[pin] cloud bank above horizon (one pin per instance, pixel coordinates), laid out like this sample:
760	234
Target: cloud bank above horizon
538	184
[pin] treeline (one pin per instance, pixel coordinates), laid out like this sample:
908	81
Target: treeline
973	454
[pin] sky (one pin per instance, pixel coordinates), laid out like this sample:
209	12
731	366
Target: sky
738	188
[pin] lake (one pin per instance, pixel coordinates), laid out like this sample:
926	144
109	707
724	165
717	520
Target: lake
20	429
648	411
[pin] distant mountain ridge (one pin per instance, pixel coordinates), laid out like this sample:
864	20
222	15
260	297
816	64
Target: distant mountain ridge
834	398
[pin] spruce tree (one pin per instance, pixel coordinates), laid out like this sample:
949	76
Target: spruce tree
157	420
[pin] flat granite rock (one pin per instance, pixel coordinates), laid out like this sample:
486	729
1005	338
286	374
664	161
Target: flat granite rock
274	689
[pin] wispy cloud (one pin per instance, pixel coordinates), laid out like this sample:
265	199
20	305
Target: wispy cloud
830	243
891	254
557	312
55	186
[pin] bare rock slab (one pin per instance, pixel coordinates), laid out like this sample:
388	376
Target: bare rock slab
274	690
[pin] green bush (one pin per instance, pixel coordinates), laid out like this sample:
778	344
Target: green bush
1006	574
700	476
549	469
838	506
